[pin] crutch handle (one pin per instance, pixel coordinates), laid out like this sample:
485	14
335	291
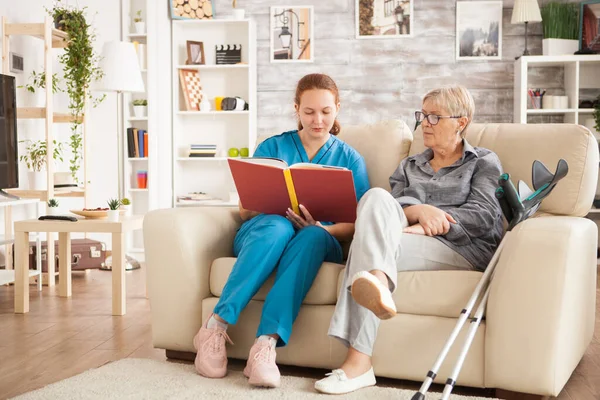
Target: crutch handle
506	210
510	192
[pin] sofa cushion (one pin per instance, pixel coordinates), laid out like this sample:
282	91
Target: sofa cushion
518	145
373	142
433	293
322	291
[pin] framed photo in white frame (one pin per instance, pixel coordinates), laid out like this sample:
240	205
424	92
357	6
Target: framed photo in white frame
384	19
292	34
479	30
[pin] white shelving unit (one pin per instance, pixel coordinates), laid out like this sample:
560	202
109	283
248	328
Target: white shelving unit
142	199
580	72
225	129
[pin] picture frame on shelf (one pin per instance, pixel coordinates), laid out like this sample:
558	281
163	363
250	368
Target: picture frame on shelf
292	34
479	30
195	53
191	9
384	19
191	88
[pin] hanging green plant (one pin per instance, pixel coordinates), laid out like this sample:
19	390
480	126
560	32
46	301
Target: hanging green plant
38	81
80	64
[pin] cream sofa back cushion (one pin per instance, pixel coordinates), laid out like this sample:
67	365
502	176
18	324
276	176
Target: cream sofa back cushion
383	145
519	145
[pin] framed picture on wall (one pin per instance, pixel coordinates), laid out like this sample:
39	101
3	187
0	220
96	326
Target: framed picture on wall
195	53
191	9
383	19
292	38
479	30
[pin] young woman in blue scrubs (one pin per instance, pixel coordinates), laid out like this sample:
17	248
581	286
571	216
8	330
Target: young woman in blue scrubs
294	246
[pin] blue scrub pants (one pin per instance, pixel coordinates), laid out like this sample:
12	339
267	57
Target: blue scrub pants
262	244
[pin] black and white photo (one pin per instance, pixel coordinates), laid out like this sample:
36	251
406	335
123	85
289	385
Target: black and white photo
479	30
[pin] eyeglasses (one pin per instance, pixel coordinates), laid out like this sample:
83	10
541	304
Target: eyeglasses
431	118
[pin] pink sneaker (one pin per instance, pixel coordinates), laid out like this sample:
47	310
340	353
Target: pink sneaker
261	368
211	355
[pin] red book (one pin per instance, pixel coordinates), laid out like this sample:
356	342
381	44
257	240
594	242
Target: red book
269	186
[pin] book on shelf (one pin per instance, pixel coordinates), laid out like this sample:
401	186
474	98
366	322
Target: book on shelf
137	143
202	150
270	186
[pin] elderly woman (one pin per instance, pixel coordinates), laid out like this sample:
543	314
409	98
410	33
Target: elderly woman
441	214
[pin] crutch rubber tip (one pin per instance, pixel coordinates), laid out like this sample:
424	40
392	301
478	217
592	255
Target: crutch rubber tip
418	396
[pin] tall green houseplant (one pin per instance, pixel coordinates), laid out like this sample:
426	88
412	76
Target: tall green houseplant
80	63
560	20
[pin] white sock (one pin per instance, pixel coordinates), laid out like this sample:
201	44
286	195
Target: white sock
213	322
271	340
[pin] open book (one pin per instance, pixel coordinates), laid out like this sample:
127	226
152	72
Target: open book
269	186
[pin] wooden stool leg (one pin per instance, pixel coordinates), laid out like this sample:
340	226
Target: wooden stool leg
64	262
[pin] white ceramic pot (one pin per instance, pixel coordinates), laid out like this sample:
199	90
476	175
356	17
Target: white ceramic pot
239	13
38	180
125	209
559	47
140	27
140	111
53	211
113	215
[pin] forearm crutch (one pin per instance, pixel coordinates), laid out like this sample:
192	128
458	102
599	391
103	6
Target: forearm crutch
516	210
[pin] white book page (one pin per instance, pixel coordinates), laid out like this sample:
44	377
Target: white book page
311	165
273	162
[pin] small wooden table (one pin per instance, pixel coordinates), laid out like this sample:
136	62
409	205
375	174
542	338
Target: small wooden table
118	230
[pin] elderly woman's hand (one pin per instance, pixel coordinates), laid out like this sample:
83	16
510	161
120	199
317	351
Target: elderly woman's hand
433	220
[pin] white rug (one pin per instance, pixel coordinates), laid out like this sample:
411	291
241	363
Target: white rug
132	378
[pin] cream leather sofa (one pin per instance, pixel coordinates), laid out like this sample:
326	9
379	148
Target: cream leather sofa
540	316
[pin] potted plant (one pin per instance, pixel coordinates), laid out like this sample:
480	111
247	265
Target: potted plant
140	108
126	205
560	24
238	13
35	159
52	207
80	65
113	212
138	22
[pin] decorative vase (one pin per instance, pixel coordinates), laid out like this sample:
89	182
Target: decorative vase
113	215
38	180
238	13
140	111
140	27
559	47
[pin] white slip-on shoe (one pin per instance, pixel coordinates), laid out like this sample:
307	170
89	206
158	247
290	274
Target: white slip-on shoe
337	382
369	292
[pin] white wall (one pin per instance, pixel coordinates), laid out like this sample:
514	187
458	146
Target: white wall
104	17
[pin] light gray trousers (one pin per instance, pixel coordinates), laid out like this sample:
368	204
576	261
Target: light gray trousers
380	244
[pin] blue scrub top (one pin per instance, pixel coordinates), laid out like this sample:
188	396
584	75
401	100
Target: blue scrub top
288	147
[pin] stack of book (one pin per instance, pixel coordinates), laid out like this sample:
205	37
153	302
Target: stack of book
137	142
203	150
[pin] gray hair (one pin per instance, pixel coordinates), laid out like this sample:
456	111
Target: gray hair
455	99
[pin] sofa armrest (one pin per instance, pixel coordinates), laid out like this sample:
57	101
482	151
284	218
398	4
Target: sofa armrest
541	310
180	246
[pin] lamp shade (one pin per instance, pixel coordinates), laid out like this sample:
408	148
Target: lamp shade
526	11
121	69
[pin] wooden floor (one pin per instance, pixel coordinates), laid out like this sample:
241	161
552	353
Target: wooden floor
60	338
